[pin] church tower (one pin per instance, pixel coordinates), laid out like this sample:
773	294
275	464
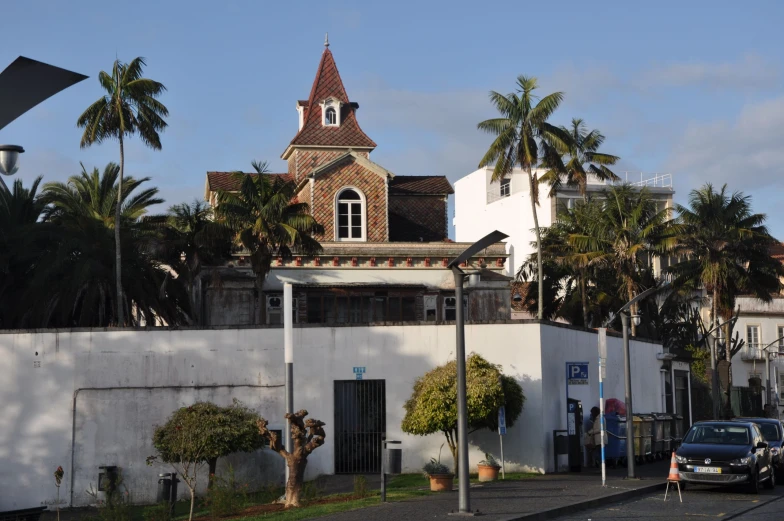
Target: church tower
328	126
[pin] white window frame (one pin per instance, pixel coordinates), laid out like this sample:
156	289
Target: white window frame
753	345
363	205
506	187
431	304
330	111
279	307
779	334
331	103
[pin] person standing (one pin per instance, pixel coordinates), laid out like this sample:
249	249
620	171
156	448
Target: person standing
590	424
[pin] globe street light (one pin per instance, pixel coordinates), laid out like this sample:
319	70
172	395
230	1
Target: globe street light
9	156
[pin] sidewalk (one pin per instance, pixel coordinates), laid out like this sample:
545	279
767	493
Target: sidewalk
542	497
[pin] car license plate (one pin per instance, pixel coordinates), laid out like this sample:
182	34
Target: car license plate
707	470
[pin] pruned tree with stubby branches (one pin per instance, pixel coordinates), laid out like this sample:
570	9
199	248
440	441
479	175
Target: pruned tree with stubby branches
306	436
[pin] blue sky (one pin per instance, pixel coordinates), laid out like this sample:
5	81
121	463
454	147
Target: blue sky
689	88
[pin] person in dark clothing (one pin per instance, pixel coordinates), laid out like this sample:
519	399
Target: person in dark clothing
592	436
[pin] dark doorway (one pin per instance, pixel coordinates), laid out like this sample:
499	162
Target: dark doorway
360	421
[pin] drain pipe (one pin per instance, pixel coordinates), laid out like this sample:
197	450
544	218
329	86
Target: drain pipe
138	388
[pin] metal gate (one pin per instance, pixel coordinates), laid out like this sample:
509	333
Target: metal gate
360	421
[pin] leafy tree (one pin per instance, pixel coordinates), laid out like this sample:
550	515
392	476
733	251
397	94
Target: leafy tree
432	406
202	433
266	222
582	158
523	138
129	106
306	436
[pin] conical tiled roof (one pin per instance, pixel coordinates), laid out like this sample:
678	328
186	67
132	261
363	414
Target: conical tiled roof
313	133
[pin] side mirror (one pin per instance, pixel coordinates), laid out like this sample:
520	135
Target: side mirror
762	445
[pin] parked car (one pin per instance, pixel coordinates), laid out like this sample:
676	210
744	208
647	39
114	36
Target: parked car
726	453
774	435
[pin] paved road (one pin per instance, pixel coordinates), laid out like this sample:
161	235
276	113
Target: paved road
698	503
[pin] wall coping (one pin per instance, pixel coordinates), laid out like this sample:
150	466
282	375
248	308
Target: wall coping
311	326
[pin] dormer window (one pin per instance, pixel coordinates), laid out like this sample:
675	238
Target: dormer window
330	112
331	117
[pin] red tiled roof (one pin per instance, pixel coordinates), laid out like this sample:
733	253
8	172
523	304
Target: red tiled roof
420	184
777	251
313	133
524	289
226	181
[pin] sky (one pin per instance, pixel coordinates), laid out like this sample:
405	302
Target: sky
694	89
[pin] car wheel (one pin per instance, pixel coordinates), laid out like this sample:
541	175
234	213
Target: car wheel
770	484
754	484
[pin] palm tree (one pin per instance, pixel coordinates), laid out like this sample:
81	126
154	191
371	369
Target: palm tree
20	211
726	250
630	231
72	282
189	239
523	138
578	255
129	107
95	195
582	159
266	222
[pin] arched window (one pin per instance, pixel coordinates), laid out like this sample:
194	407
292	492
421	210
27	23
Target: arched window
350	216
331	117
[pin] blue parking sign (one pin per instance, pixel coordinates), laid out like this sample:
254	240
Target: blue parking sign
577	373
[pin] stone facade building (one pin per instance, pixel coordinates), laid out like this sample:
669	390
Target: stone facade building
385	241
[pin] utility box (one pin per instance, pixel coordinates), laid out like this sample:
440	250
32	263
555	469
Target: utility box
574	427
393	458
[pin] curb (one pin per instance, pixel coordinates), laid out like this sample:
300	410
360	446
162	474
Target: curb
587	505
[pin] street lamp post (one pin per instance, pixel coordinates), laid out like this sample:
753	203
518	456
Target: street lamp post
462	416
628	371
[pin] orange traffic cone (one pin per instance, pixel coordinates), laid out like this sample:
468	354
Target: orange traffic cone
674	474
674	477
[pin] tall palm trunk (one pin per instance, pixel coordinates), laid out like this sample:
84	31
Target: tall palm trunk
540	276
584	299
633	309
117	253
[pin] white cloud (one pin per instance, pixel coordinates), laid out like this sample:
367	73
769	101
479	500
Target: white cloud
744	153
748	73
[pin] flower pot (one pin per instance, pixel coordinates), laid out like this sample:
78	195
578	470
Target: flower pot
488	472
441	482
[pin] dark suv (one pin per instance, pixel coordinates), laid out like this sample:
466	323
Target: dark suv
725	453
774	434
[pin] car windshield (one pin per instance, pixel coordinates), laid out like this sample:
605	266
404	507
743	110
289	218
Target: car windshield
718	435
770	431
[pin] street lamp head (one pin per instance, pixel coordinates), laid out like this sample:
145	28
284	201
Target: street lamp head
9	155
636	319
517	297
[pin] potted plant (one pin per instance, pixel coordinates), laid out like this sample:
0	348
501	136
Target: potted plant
440	477
488	468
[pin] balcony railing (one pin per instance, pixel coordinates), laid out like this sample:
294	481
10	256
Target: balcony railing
752	352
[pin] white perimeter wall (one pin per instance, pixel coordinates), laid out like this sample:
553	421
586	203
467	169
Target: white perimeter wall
126	382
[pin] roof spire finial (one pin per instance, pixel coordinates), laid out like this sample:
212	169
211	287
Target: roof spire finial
326	39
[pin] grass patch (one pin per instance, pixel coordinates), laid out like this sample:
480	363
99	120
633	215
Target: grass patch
332	505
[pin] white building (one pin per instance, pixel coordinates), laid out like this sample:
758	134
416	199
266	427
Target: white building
482	206
83	399
761	325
